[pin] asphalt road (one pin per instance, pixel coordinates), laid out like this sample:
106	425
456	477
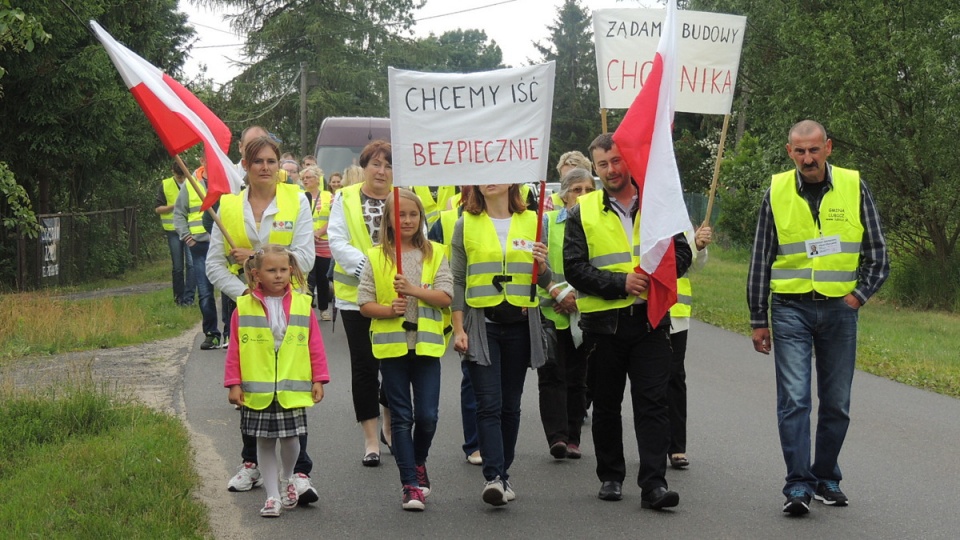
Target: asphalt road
899	463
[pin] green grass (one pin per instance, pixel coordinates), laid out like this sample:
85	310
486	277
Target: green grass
156	272
919	348
40	323
79	464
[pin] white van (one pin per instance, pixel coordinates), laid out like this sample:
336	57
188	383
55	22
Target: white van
341	139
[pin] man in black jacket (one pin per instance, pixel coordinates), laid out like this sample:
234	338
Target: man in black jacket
617	337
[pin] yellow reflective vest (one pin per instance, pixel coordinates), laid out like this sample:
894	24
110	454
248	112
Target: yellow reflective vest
321	211
194	215
266	372
793	270
486	262
684	306
170	190
388	336
448	221
344	284
231	214
433	207
555	257
608	249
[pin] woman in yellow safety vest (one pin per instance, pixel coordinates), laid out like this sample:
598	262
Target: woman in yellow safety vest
562	381
495	321
276	370
409	313
320	201
355	221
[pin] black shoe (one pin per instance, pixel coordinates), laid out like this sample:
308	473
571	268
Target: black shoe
212	341
798	503
611	490
371	460
558	450
828	492
658	498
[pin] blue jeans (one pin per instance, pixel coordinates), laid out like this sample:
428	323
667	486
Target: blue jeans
413	422
468	413
208	305
801	328
184	281
499	388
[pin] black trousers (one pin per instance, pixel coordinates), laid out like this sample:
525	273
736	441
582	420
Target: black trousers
677	395
364	366
562	382
317	278
642	355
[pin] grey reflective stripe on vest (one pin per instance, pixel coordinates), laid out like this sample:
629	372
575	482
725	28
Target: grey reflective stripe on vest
519	268
285	385
636	251
684	299
800	247
194	209
607	260
559	278
429	313
195	223
166	221
432	215
346	279
253	321
485	268
429	337
518	290
299	320
834	276
803	273
546	302
482	290
388	338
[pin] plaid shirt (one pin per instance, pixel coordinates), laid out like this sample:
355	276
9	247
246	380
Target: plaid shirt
874	261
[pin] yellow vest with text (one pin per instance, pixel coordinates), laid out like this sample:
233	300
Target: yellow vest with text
194	215
608	249
344	284
321	211
432	208
170	190
284	222
485	260
266	372
555	257
793	271
388	336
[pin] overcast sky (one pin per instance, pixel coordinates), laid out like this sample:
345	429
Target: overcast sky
513	24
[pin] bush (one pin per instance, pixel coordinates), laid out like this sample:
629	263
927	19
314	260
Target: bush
744	178
915	282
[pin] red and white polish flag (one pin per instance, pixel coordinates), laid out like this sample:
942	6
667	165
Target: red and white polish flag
645	141
180	119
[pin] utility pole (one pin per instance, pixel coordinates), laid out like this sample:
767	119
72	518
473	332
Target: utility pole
304	143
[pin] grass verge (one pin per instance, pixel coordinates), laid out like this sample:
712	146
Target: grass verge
40	323
95	454
918	348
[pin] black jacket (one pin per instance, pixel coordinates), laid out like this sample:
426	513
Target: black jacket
608	285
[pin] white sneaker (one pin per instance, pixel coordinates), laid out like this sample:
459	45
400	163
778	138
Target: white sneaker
493	492
226	342
474	458
271	508
508	493
306	493
288	494
247	478
325	315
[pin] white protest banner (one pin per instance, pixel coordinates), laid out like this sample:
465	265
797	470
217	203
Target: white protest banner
491	127
709	55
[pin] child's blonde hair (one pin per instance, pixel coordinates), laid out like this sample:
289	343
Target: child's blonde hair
387	237
255	261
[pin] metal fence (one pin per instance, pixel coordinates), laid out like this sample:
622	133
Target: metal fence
76	247
697	208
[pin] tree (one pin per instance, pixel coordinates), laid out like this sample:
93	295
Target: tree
576	95
343	42
883	78
456	51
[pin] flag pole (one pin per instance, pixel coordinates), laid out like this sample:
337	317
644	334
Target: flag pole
203	193
396	228
716	170
536	269
603	120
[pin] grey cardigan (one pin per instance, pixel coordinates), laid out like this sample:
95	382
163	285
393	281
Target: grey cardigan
474	323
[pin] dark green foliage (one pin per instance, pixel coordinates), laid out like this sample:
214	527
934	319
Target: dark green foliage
744	178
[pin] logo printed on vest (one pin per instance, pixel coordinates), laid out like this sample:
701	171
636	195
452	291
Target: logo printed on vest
244	338
522	244
283	226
